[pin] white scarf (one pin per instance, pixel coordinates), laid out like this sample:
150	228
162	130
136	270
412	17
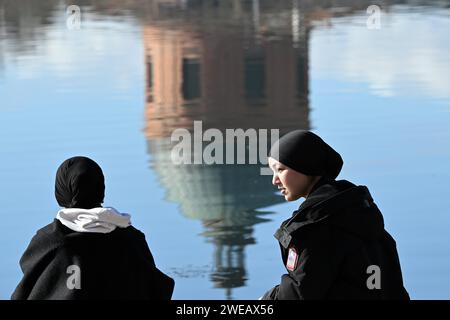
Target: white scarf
100	220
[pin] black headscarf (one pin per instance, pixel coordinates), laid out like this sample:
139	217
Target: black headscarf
79	184
307	153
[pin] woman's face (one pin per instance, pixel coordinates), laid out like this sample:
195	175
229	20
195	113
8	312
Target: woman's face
293	184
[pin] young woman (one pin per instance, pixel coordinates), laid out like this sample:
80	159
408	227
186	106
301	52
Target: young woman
89	251
335	245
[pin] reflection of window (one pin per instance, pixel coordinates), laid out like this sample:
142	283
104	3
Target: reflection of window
149	75
191	79
255	77
302	76
149	80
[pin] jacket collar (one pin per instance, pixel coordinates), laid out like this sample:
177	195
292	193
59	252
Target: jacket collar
322	203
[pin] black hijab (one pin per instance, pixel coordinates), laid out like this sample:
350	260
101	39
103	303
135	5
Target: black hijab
307	153
79	184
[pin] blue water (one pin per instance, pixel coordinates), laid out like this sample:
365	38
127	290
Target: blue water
380	97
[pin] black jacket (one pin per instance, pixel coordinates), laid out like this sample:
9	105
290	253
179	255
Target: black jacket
116	265
331	245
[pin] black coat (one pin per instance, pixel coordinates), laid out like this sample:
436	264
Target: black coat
116	265
329	245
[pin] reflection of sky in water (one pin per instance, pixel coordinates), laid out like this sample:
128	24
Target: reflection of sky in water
407	56
381	97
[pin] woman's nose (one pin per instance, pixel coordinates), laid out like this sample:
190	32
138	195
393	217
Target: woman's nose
275	180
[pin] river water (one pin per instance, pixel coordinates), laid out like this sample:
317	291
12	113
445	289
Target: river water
116	84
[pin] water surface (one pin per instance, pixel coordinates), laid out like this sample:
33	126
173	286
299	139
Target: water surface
116	89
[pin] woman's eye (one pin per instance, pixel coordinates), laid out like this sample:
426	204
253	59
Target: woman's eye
279	170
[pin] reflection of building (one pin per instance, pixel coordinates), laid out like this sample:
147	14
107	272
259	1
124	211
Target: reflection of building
226	198
229	258
22	23
226	79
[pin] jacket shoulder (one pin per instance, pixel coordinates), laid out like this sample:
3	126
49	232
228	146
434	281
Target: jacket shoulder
46	239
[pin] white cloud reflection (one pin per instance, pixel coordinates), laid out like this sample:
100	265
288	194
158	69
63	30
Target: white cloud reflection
100	52
409	55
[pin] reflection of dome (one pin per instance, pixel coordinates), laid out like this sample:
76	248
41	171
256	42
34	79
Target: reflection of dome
225	198
229	256
210	192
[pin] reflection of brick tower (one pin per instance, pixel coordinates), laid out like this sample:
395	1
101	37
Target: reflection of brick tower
170	55
227	80
224	80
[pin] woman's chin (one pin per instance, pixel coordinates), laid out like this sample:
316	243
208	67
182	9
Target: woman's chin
290	197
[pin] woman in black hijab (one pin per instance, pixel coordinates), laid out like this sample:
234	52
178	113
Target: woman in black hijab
89	251
335	245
